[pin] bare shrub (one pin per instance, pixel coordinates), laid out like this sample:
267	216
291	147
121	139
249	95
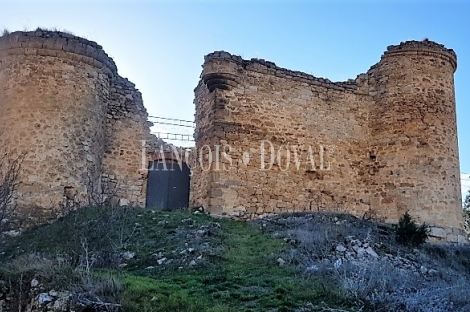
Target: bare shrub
372	282
98	293
401	278
123	233
52	29
311	245
316	235
96	236
68	32
384	287
9	172
100	192
19	272
55	271
30	262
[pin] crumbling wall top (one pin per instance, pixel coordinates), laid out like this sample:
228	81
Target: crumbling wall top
424	46
266	67
53	43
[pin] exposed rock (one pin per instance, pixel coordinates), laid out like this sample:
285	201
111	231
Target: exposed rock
34	283
338	263
158	254
128	255
12	233
432	272
312	268
44	298
438	232
371	252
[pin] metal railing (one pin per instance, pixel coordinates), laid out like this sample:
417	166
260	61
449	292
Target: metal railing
172	122
174	136
168	129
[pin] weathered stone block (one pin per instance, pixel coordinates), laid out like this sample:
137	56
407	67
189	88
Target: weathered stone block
438	232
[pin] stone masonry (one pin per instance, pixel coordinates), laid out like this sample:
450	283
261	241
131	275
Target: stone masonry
78	124
377	146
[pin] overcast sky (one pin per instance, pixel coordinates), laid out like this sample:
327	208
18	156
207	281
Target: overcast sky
160	45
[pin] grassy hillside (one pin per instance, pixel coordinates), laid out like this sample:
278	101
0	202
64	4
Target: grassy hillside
146	260
128	259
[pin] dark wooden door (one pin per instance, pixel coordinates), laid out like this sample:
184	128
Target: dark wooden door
168	185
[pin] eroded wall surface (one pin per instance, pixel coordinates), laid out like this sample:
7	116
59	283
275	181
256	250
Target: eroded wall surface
78	123
382	144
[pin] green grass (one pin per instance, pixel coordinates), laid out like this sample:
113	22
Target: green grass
239	271
245	278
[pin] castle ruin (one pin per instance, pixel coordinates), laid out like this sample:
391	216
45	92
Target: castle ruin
268	140
78	124
377	146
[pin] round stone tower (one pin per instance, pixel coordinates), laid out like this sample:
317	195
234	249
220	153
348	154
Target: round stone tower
54	89
414	161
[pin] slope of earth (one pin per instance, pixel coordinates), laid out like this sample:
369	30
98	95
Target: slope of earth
129	259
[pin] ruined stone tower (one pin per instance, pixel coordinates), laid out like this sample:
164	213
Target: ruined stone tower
413	132
268	140
380	145
78	123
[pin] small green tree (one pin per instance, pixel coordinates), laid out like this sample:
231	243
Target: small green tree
409	233
466	213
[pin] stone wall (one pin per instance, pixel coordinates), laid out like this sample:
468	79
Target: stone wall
381	144
126	128
78	123
414	134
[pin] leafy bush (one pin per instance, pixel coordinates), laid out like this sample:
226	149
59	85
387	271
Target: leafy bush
409	233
